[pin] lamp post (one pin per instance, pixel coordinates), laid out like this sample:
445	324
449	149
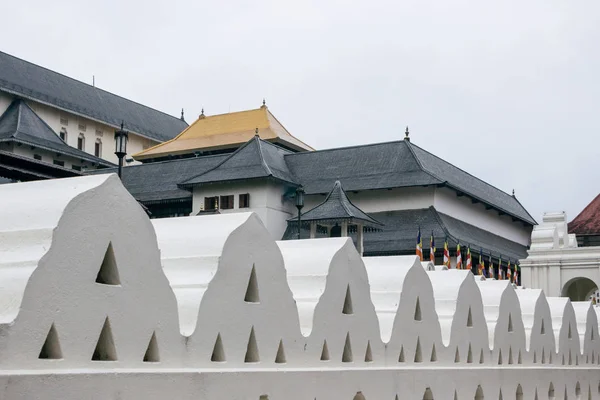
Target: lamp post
121	138
299	205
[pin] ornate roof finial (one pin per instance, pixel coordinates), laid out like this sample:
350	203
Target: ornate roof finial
256	131
513	193
264	104
183	119
406	133
201	114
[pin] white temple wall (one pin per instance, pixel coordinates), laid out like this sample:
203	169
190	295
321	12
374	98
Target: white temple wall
447	202
223	276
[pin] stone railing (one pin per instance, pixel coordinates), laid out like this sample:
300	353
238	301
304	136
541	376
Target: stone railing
99	302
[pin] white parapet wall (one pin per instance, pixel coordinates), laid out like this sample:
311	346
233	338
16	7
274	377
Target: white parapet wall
99	302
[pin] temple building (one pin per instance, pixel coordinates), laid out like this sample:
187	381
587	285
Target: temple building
248	161
586	225
54	126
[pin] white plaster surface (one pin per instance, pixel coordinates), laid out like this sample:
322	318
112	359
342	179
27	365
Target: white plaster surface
164	321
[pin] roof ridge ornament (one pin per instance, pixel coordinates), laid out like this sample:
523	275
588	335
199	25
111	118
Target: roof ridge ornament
202	116
513	193
264	104
182	117
256	132
406	133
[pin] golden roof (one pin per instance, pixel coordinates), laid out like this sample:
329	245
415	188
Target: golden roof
226	131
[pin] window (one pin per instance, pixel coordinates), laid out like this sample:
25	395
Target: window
245	200
81	142
59	163
63	134
37	157
226	202
98	148
76	167
210	203
64	121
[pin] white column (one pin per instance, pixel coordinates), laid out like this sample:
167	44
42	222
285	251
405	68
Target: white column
313	229
359	239
344	228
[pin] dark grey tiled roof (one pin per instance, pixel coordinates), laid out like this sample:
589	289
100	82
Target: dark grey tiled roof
154	182
31	81
19	123
255	159
399	235
470	185
337	206
392	165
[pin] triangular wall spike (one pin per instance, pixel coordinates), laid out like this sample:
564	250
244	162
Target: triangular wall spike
51	348
469	318
469	355
510	324
456	356
418	355
368	352
105	347
348	309
280	356
218	353
108	274
401	356
433	354
325	352
252	355
347	355
418	310
152	354
252	295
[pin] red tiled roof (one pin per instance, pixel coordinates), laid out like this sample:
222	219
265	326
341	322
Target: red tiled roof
588	221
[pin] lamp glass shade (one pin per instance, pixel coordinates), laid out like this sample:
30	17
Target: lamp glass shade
121	138
300	197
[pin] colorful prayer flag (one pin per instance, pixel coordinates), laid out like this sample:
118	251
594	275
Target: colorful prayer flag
458	257
432	249
446	254
419	245
469	261
491	267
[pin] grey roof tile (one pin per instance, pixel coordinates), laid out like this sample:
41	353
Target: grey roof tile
19	123
337	206
22	78
255	159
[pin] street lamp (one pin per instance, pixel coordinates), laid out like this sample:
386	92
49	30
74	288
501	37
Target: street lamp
121	138
299	204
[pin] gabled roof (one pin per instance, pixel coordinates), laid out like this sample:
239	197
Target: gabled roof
255	159
398	235
337	206
24	79
393	165
588	220
20	124
157	182
218	132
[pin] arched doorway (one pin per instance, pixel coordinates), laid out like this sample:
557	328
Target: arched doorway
428	395
580	289
359	396
479	393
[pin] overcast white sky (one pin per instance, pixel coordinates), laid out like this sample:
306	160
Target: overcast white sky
508	91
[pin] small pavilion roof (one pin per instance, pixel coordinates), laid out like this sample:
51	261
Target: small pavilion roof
588	220
336	207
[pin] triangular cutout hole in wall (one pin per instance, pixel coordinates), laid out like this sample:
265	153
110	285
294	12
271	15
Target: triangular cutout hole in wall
469	318
347	309
510	324
152	354
543	356
433	354
218	353
280	356
105	347
510	357
368	353
347	355
543	329
401	356
569	335
325	351
519	358
108	273
418	310
456	356
252	355
418	356
499	356
252	295
469	355
481	357
535	357
51	348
